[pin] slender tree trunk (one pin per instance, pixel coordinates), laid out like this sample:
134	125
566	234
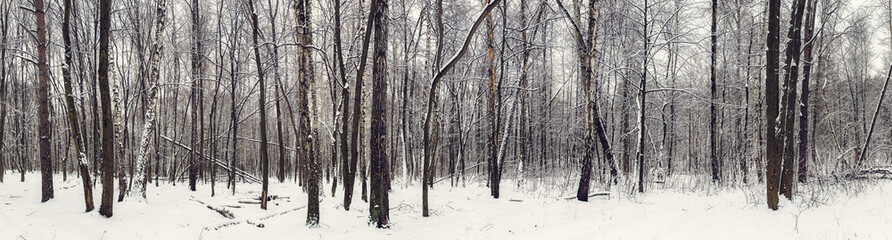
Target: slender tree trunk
357	110
234	114
108	147
788	108
803	104
774	146
379	204
21	123
216	119
524	84
303	16
197	76
642	91
5	7
431	113
586	55
72	111
118	107
275	62
152	92
592	111
438	76
264	153
713	97
43	101
346	167
494	112
758	100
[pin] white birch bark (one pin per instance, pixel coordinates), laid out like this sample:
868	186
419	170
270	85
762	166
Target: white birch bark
152	92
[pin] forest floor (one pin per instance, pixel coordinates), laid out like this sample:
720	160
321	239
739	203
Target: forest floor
833	211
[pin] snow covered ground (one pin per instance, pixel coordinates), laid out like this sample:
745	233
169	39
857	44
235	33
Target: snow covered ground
173	212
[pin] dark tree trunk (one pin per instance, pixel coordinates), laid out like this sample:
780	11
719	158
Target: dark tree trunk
642	91
234	110
43	101
774	147
357	113
264	153
196	94
494	108
713	97
5	7
430	118
108	142
72	111
523	133
279	94
788	108
803	106
379	203
346	167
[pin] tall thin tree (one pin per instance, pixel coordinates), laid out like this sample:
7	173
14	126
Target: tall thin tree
788	107
304	33
713	97
72	111
441	72
5	7
264	153
152	92
357	111
803	102
379	203
108	146
197	75
43	101
773	145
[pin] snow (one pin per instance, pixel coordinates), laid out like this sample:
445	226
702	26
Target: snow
860	211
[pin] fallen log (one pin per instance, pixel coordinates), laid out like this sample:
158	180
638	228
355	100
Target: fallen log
221	211
256	223
873	173
595	194
219	163
271	197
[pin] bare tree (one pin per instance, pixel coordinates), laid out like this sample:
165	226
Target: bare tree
5	7
196	94
379	203
432	102
72	111
302	10
152	91
803	103
773	144
264	153
595	126
788	108
108	147
43	101
713	97
357	112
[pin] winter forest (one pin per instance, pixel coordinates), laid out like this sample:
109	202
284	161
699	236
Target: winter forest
456	119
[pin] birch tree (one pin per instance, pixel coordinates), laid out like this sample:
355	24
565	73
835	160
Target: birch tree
152	92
